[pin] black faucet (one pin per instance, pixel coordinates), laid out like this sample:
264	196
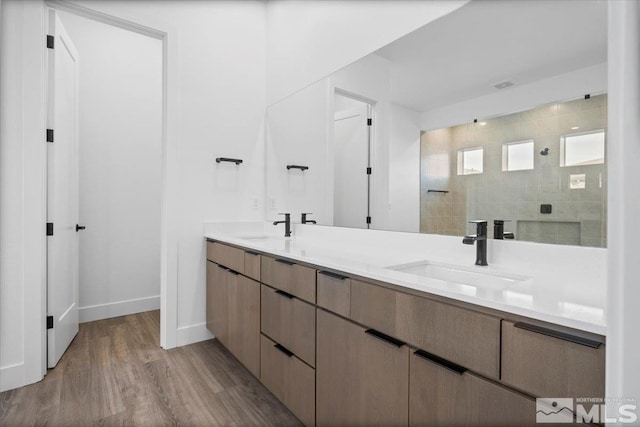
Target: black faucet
480	238
307	221
498	230
287	224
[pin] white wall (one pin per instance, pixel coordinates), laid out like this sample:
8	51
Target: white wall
404	169
221	101
22	194
219	97
623	316
297	135
120	168
11	213
308	40
575	84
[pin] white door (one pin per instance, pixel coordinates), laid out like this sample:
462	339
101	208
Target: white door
62	192
351	159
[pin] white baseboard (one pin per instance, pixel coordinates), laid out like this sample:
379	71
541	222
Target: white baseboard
193	333
118	308
11	376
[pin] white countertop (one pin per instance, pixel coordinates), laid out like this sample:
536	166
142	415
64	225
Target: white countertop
553	293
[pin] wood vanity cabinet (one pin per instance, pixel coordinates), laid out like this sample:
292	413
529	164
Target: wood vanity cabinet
340	351
362	377
551	362
443	394
463	336
233	306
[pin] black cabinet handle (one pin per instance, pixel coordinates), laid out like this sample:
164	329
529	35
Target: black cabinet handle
333	275
80	227
453	367
222	267
283	349
384	337
284	294
235	273
251	253
558	334
284	261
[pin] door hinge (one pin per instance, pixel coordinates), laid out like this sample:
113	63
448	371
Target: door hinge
369	122
49	135
49	229
369	171
368	220
51	42
49	322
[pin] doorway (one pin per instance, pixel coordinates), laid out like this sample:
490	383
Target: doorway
353	119
119	158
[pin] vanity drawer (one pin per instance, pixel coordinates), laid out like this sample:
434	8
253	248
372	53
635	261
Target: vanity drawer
334	292
252	264
550	362
465	337
290	322
226	255
290	277
444	394
289	379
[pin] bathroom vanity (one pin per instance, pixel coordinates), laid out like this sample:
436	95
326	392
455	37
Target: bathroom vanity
343	336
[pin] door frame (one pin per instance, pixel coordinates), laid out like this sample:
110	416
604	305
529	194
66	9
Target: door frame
35	66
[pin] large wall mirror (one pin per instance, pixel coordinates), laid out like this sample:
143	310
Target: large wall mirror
496	111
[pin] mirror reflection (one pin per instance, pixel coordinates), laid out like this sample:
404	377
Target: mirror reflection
479	115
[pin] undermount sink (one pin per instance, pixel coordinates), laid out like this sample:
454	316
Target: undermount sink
480	277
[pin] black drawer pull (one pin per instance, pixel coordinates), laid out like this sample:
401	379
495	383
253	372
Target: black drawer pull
558	334
284	294
333	275
384	337
251	253
232	271
222	267
453	367
284	261
283	349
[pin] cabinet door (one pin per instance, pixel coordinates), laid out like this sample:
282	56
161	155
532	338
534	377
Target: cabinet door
548	362
244	321
217	302
444	394
361	378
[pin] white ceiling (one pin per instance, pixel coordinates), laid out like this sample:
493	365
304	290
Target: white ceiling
462	55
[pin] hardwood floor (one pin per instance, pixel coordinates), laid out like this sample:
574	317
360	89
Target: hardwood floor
115	373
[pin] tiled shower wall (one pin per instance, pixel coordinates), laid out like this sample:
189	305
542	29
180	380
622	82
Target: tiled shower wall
578	215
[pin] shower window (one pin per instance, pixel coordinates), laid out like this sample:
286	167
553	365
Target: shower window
517	156
470	161
580	149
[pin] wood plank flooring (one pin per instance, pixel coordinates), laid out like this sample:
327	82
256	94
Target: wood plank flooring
115	373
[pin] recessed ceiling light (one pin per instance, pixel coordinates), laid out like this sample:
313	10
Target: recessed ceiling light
482	123
575	127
